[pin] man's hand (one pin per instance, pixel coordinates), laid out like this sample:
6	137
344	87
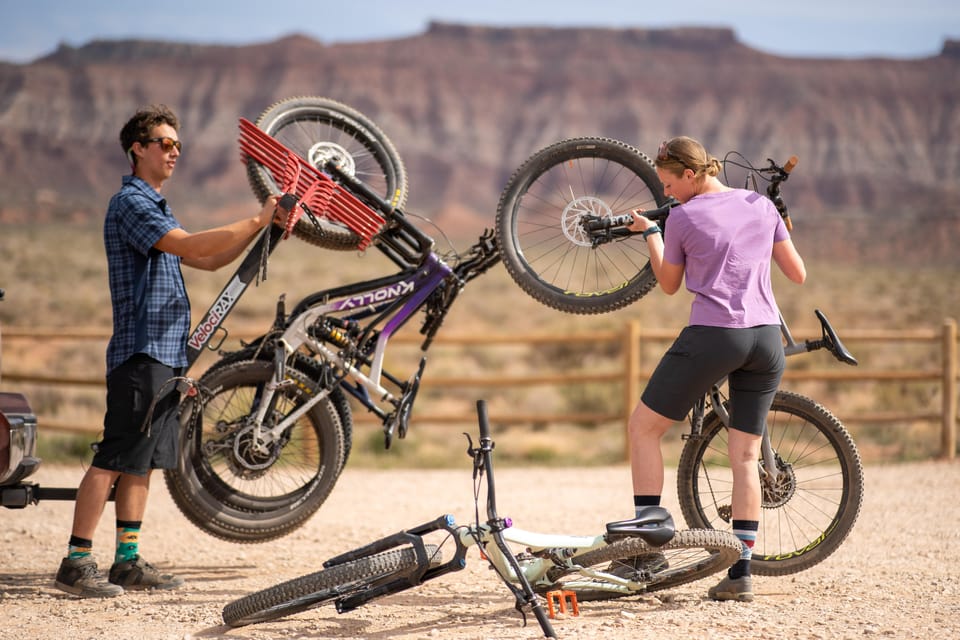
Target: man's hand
271	212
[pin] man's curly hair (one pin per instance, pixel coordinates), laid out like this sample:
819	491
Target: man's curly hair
138	127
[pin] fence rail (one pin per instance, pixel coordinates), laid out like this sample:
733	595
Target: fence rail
629	374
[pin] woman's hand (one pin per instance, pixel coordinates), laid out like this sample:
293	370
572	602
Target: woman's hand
640	222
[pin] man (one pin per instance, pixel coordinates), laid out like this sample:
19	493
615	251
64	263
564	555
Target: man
145	247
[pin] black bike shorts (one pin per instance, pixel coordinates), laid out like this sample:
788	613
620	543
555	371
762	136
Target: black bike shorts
751	358
127	445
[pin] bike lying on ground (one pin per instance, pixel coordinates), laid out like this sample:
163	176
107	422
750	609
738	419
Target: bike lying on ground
562	237
651	557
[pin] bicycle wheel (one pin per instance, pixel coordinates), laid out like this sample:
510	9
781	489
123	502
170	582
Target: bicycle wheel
241	493
539	225
320	130
308	367
691	555
310	591
808	512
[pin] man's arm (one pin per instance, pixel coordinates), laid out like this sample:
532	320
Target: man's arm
211	249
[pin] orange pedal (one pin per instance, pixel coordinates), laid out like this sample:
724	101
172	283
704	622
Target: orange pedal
561	598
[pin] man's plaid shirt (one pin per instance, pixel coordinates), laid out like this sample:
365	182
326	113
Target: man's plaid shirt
151	311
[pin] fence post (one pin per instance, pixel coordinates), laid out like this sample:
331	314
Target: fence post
631	386
948	439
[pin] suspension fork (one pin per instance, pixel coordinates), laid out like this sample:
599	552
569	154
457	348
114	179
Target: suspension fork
268	401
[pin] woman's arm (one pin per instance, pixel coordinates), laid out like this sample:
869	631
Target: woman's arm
789	261
669	276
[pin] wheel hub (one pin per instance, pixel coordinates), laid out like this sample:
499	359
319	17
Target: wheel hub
573	214
322	153
252	458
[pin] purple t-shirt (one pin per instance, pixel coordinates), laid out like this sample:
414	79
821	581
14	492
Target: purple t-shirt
725	243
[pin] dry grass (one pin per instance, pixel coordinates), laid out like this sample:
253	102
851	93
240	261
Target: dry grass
56	277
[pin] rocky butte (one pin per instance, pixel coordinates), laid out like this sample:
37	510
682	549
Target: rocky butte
877	139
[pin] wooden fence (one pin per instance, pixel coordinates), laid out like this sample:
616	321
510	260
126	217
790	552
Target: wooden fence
628	374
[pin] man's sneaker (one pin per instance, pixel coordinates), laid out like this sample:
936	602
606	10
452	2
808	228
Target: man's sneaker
140	574
740	589
82	578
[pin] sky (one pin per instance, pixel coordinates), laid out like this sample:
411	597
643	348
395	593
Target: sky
30	29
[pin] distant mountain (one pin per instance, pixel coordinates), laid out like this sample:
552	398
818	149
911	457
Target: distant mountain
878	139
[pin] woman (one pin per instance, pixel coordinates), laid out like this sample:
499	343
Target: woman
721	240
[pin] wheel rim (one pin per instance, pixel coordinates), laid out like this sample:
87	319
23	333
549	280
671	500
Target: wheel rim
801	508
319	138
548	235
288	472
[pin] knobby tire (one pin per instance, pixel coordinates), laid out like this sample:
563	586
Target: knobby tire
541	238
214	485
310	591
691	555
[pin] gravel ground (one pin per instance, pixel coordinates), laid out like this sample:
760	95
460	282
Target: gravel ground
897	576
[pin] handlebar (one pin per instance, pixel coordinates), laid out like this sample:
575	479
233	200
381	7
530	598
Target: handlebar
780	175
606	228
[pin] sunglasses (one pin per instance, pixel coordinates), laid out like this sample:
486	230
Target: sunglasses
166	144
665	155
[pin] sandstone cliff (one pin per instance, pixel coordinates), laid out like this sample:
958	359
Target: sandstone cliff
877	138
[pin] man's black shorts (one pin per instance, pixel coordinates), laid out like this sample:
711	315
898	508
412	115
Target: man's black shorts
127	445
752	358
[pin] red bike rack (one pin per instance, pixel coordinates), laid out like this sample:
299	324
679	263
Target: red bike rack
324	197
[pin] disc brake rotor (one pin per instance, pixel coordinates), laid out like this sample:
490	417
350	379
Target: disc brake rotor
250	461
573	214
777	493
322	153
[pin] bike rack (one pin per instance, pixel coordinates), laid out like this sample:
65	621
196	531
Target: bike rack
314	188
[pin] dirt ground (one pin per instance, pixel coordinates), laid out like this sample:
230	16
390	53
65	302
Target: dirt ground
897	576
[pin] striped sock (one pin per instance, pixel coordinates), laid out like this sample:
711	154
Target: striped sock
746	531
642	502
79	548
128	541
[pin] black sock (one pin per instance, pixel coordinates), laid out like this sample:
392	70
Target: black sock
642	502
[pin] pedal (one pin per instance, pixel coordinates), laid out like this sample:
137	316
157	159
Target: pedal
561	597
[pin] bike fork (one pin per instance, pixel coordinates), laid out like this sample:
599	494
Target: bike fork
422	573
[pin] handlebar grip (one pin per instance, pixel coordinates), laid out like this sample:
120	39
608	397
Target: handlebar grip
790	164
622	220
483	419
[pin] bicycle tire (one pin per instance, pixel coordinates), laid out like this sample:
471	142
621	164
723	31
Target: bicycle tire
810	513
690	555
538	230
312	590
318	129
231	491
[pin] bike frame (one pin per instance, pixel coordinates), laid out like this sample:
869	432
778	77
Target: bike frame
393	301
544	552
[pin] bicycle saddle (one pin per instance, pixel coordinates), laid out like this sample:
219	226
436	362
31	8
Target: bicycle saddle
654	526
832	341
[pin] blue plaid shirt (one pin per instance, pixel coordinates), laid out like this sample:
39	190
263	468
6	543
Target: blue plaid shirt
151	311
